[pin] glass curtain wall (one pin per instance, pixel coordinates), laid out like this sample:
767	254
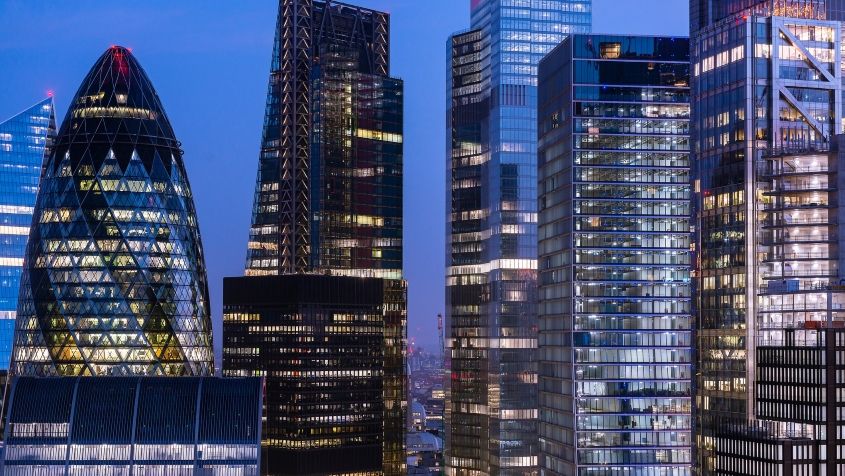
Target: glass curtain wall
114	279
767	99
491	260
25	141
615	302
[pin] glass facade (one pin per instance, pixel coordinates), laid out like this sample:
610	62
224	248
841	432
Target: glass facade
121	426
491	256
704	13
356	188
614	257
334	379
709	12
329	191
328	201
114	279
767	105
25	141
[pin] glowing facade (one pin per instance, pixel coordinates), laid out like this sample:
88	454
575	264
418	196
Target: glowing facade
615	324
114	280
335	379
25	139
767	105
491	231
133	425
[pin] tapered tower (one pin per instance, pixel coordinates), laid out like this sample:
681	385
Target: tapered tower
114	280
328	195
327	224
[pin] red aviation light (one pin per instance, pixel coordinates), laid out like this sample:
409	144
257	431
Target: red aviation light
121	62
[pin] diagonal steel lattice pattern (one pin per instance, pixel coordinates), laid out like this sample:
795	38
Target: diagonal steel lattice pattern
280	238
114	279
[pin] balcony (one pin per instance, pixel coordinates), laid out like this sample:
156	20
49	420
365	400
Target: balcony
799	187
773	257
796	205
793	161
790	238
768	171
812	306
794	286
787	221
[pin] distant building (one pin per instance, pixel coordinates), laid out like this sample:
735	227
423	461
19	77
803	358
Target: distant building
114	279
324	345
25	141
614	223
418	416
435	407
427	394
130	425
425	454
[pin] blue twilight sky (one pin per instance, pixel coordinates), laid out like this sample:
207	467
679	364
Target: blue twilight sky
209	61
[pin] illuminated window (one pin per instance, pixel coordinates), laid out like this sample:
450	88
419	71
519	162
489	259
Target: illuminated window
611	50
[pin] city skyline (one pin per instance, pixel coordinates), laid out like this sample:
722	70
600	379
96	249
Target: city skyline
182	59
466	238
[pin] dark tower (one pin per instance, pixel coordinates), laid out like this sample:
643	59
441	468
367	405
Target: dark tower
328	201
114	280
329	190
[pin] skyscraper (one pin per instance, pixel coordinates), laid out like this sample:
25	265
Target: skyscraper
704	13
114	279
329	189
766	107
491	227
328	209
25	139
614	251
112	348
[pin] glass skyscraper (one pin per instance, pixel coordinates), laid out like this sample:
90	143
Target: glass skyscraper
25	140
114	279
766	107
328	204
614	257
328	196
491	256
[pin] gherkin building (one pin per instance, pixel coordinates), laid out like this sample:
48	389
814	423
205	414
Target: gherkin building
114	280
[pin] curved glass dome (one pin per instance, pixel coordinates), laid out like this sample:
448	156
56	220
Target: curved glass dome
114	279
